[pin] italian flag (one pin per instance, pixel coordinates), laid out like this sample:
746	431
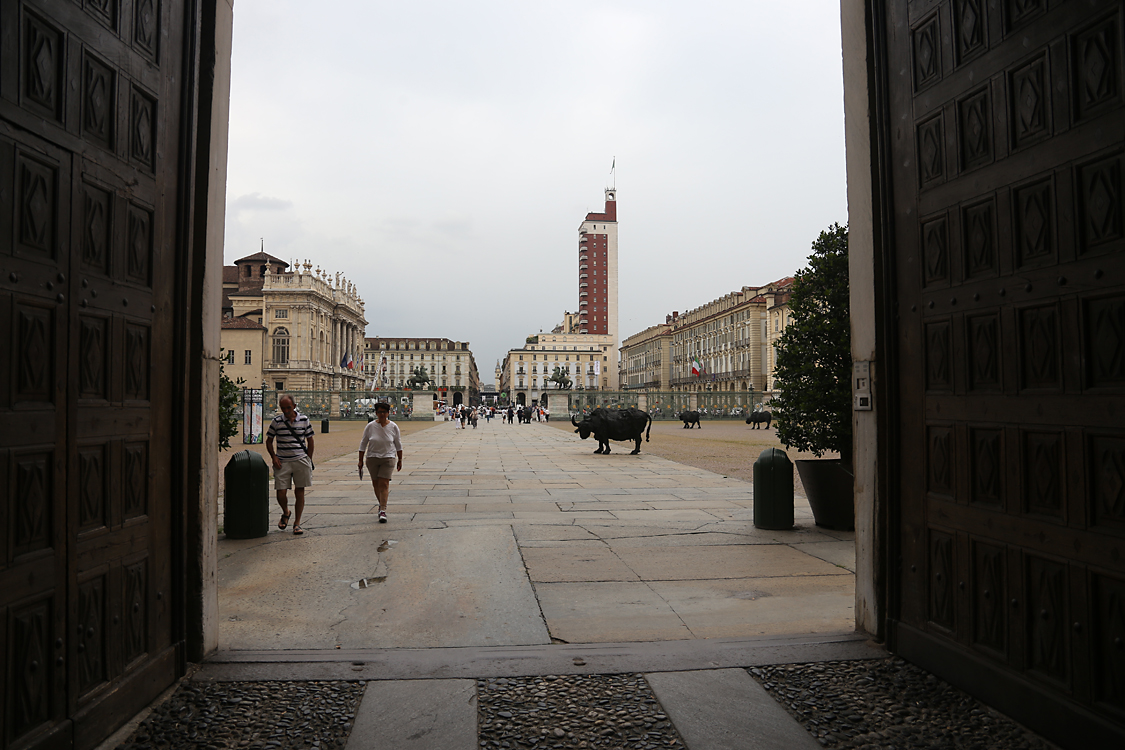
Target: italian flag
695	367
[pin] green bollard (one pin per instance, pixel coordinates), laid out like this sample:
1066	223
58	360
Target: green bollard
773	490
246	498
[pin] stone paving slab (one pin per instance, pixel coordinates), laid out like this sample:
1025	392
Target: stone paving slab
596	545
416	715
726	709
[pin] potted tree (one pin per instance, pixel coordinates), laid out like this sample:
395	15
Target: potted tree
813	376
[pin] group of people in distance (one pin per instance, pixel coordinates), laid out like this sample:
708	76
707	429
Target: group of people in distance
290	442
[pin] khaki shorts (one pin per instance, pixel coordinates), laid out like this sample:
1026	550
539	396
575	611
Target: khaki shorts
298	473
384	468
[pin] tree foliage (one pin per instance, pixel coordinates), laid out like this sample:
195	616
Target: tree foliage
230	395
814	359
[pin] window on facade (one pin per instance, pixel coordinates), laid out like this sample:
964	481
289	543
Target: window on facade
230	357
281	346
279	385
248	354
281	313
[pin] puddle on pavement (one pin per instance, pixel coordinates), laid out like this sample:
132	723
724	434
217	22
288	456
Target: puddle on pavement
366	583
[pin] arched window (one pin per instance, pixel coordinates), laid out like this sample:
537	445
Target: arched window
281	346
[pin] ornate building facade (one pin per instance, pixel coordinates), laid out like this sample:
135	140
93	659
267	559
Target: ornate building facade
587	359
646	358
312	325
389	362
729	343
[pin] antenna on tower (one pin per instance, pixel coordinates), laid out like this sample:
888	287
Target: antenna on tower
613	174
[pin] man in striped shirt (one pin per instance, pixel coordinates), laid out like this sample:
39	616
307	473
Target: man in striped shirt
292	463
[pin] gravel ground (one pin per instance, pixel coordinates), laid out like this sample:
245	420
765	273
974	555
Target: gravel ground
572	711
252	715
889	704
727	447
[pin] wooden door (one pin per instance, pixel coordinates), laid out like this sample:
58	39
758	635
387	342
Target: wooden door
1005	125
90	179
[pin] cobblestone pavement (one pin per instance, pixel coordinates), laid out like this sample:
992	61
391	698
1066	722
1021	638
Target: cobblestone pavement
889	704
882	704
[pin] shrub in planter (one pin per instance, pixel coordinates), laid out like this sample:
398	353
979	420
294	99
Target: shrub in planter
813	408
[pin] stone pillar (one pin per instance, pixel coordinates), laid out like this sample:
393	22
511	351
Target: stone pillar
642	401
693	401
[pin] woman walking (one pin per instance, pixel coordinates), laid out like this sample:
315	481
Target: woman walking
382	442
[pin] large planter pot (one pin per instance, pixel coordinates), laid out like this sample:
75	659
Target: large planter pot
830	488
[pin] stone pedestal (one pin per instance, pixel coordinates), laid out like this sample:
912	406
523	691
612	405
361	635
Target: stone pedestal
423	405
558	402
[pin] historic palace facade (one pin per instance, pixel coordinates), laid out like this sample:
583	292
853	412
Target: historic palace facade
389	362
729	343
291	327
587	359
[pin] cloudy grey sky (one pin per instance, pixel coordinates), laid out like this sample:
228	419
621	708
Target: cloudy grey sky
442	155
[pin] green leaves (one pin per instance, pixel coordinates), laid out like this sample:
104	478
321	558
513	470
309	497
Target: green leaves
813	373
229	397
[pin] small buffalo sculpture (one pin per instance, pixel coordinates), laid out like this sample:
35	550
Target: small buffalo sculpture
758	417
690	419
617	424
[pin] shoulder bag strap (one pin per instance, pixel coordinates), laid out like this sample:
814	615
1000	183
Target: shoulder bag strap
299	440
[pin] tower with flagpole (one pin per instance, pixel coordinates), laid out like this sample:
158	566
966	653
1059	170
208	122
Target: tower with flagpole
598	278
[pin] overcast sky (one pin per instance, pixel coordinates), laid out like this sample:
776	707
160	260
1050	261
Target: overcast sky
442	155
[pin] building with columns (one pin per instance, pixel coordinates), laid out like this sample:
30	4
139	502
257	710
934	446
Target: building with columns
646	358
312	325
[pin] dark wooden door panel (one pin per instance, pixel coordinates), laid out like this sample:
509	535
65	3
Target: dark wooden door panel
90	139
1007	153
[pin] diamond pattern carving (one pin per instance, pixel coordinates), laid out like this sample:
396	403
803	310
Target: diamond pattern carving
931	151
939	357
1039	347
1100	200
140	244
984	352
969	27
136	362
987	466
32	507
1029	90
104	10
1047	618
35	351
91	487
142	126
1107	479
135	631
1096	66
1020	11
31	671
1105	341
1110	627
974	115
1042	473
927	53
98	86
1034	208
92	359
941	579
980	243
42	68
990	625
37	207
145	19
935	251
939	462
135	481
90	634
97	205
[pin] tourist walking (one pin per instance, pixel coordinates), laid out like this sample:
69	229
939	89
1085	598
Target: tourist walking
382	444
292	461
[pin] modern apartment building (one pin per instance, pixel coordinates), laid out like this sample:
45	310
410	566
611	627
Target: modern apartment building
597	274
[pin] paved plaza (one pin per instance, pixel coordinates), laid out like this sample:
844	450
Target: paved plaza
518	535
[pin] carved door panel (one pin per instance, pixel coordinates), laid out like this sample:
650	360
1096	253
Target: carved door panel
89	140
1006	130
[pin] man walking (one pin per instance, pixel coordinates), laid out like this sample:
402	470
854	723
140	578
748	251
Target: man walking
293	461
382	442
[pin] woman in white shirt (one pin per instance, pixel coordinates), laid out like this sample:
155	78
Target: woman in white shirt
382	442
